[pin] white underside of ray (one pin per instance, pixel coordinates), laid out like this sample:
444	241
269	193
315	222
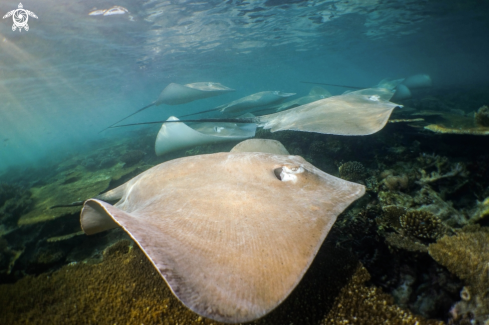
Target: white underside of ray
178	136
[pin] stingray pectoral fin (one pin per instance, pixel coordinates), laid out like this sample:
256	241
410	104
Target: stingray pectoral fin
113	195
97	216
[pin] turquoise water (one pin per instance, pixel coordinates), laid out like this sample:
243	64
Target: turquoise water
74	73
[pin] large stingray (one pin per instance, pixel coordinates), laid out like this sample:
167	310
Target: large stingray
176	94
261	145
359	112
231	233
250	103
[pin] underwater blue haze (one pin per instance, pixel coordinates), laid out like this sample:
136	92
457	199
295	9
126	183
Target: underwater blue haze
73	74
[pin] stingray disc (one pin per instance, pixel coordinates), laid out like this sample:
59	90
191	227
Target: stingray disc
231	233
176	94
261	145
359	112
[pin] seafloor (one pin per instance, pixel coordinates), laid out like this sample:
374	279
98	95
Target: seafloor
413	250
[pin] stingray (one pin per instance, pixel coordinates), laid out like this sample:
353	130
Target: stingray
316	93
232	234
250	103
176	94
177	136
360	112
261	145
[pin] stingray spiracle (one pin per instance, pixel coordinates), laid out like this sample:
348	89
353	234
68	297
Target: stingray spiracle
288	174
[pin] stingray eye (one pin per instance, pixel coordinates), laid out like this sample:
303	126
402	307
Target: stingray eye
288	174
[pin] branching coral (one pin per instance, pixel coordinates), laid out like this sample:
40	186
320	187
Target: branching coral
421	224
427	161
481	211
457	169
431	201
467	256
410	227
352	171
395	241
359	304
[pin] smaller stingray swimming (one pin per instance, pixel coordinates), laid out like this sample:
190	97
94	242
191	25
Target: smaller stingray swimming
176	94
250	103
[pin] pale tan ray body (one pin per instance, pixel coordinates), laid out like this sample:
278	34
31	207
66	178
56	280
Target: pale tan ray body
230	238
176	94
261	145
316	93
254	101
360	112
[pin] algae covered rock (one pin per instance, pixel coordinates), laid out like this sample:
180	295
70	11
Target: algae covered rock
482	116
14	201
75	185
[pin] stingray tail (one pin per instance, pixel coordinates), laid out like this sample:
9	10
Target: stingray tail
139	110
202	112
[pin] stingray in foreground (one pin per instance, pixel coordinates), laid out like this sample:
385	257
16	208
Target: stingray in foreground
232	234
176	94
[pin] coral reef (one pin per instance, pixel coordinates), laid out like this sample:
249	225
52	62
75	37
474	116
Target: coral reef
421	224
352	171
359	304
125	289
398	241
396	183
480	212
132	157
467	256
458	169
14	201
395	198
482	116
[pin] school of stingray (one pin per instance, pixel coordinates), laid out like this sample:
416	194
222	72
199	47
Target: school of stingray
233	233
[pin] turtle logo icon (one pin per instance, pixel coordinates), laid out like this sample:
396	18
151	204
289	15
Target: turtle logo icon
20	17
